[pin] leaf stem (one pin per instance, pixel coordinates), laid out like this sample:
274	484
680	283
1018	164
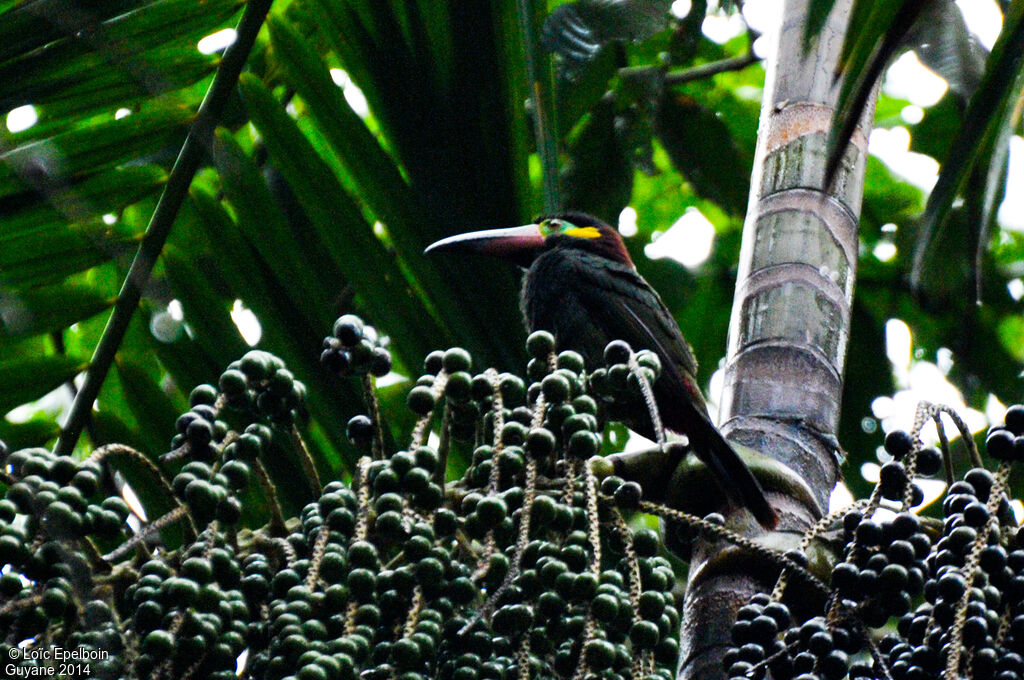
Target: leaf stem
538	75
199	138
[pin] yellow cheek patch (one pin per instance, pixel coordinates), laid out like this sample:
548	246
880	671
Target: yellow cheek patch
584	232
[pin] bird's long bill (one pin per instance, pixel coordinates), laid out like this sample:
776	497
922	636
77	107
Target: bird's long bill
516	244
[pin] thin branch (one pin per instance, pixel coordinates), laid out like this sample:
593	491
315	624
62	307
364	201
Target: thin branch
714	68
142	462
717	531
965	435
370	390
147	532
319	549
100	455
697	72
421	430
306	459
277	524
443	448
185	167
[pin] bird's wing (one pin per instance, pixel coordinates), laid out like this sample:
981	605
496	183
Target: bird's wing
627	308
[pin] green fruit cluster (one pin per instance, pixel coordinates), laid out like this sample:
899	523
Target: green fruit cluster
52	512
188	614
520	565
227	430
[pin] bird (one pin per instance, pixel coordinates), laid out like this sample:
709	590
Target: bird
582	286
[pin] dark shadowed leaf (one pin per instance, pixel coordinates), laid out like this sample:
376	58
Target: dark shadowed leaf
266	228
577	31
702	148
32	25
54	26
461	138
598	176
29	378
874	38
943	43
341	229
579	95
144	52
945	276
105	192
285	329
687	36
374	171
376	177
38	431
185	360
154	410
990	110
936	130
59	251
47	164
934	29
49	309
985	191
869	375
206	312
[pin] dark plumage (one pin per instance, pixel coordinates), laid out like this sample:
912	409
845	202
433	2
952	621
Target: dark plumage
582	286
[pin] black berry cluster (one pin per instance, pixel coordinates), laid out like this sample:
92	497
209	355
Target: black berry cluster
260	387
181	611
767	639
228	430
617	385
99	630
525	565
355	348
970	598
1007	442
306	586
884	567
956	595
458	387
543	586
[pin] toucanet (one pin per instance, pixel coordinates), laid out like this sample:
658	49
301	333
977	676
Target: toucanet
582	286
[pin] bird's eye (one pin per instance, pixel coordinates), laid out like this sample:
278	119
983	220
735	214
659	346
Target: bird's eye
554	225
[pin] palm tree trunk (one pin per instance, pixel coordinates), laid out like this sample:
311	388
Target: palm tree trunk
790	320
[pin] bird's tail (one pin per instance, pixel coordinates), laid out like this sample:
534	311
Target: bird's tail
732	474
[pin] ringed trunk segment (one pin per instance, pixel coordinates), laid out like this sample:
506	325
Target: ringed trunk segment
790	324
789	330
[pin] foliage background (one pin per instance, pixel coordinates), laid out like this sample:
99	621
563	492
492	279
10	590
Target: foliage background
305	209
